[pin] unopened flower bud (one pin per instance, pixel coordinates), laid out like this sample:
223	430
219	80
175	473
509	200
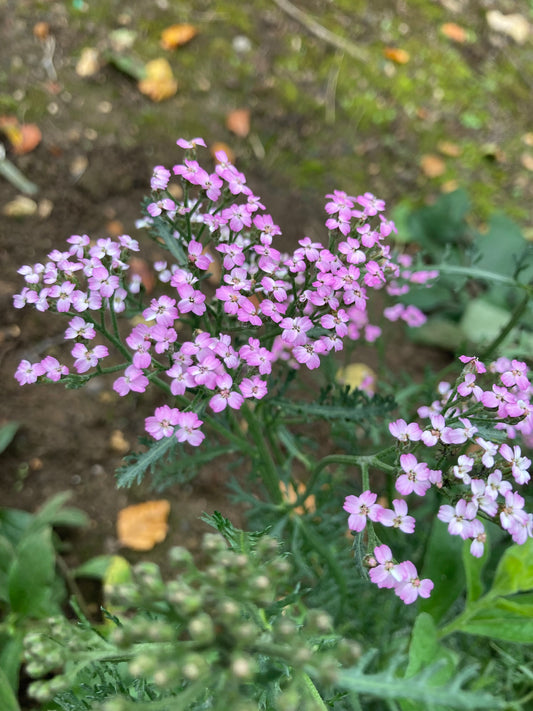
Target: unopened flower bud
319	621
243	667
201	628
193	667
180	556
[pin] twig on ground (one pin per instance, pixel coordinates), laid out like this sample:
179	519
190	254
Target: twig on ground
322	32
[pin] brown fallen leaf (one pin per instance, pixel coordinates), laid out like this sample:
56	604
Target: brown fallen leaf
432	166
238	122
527	138
118	442
141	526
159	82
41	30
527	161
454	32
396	55
290	496
24	137
220	146
139	267
450	149
177	35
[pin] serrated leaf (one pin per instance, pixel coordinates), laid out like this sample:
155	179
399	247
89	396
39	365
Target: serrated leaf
133	473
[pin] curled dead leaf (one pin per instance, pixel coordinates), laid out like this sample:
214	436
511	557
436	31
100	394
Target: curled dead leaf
177	35
396	55
159	82
432	166
21	206
141	526
454	32
238	122
515	25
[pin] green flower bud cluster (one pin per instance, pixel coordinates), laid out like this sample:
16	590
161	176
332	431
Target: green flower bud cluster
224	632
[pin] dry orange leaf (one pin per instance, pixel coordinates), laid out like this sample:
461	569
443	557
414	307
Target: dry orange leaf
399	56
432	166
177	35
141	526
159	82
527	161
238	122
454	32
41	30
23	137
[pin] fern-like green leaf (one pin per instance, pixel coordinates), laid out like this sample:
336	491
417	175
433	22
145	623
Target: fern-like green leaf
137	464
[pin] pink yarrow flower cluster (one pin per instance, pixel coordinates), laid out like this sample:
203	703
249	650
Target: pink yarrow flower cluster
299	306
478	474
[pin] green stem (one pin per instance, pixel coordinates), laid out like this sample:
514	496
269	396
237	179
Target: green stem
267	468
330	558
313	691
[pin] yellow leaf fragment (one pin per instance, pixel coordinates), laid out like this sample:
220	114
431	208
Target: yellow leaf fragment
141	526
357	376
177	35
159	82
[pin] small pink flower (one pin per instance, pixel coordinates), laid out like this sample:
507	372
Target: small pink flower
188	428
415	478
162	423
397	518
411	587
360	508
386	574
28	373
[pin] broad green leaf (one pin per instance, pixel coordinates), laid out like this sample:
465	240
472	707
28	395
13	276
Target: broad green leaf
54	513
11	648
497	622
32	576
515	570
13	524
439	331
8	701
94	568
500	247
118	571
473	568
441	565
425	651
7	432
482	321
7	555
